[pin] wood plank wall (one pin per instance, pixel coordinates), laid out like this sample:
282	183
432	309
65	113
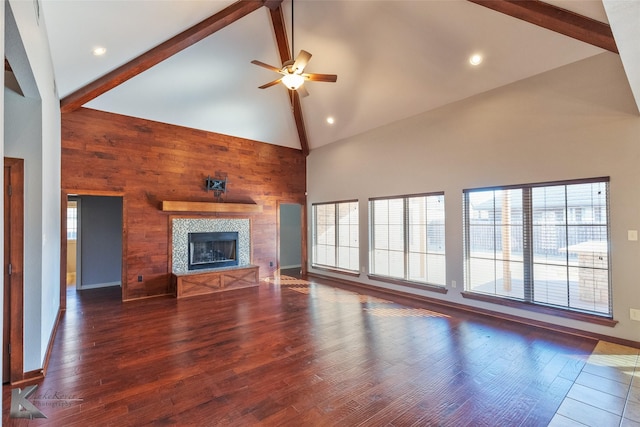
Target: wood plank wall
149	162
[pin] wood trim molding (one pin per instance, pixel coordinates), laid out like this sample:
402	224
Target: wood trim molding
79	192
161	52
305	254
209	207
556	19
467	308
64	199
52	339
30	377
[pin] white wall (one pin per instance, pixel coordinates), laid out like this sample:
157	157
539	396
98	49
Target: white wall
578	121
42	296
23	140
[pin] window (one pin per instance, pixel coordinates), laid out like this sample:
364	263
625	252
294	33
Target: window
407	238
335	236
72	220
541	243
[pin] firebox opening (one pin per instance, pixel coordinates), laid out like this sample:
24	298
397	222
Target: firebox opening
212	250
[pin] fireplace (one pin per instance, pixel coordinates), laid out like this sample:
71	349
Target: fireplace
182	230
212	250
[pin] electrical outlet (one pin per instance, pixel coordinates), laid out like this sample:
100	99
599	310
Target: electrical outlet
632	235
270	263
453	283
634	314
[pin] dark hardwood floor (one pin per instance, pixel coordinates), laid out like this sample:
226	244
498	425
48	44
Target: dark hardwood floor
297	354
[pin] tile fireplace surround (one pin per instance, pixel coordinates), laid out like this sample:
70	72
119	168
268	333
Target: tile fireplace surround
181	227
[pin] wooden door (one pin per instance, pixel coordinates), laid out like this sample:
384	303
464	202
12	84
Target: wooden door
6	336
12	351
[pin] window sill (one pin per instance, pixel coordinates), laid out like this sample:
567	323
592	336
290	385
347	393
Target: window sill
559	312
409	284
335	270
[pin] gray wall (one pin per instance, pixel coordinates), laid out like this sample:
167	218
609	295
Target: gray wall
290	236
101	241
578	121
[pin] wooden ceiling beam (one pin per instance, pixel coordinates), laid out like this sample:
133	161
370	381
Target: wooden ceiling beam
297	116
277	19
7	66
161	52
556	19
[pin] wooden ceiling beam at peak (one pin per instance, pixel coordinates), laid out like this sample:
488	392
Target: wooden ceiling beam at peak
277	20
556	19
163	51
7	66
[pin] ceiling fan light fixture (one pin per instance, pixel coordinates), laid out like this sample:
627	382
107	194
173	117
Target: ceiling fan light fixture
292	80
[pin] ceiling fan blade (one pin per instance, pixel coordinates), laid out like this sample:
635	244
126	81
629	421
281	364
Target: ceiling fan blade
302	91
301	61
332	78
273	83
267	66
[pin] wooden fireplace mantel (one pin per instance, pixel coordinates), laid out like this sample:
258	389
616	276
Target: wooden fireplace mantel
183	206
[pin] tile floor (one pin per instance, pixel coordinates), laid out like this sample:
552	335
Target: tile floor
607	391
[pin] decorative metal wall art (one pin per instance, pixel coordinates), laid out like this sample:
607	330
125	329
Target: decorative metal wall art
218	186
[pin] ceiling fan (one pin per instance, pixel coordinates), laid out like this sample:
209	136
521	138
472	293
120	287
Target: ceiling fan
293	75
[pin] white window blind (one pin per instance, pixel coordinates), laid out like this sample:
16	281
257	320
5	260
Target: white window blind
541	243
407	238
336	235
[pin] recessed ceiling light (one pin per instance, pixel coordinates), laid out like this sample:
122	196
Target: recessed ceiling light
330	120
99	51
475	59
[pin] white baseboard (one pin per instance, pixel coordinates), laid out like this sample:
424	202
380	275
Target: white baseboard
100	285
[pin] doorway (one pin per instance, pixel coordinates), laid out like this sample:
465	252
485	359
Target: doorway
94	241
290	238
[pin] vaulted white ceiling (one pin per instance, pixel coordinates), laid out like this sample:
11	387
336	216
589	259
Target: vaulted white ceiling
394	59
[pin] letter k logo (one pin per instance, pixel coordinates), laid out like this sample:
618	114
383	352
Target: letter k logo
21	407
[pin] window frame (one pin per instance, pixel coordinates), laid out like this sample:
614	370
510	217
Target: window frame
405	280
528	300
314	238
